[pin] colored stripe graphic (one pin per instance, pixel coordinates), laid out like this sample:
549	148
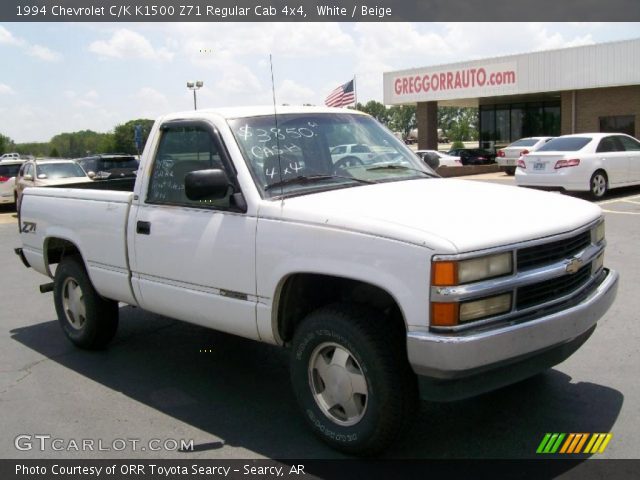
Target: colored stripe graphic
605	443
581	440
543	443
553	443
550	443
567	443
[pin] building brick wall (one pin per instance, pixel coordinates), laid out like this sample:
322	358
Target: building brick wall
591	104
427	120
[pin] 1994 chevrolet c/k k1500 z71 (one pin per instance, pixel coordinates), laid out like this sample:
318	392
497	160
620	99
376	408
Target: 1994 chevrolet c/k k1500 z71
240	220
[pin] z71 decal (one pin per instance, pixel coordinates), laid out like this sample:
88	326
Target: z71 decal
28	227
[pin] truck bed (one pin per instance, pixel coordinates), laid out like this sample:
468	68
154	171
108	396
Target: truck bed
117	184
93	219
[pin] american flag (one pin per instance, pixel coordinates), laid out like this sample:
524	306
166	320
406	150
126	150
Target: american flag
341	96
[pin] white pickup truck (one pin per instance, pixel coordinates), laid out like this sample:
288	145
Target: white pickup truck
383	280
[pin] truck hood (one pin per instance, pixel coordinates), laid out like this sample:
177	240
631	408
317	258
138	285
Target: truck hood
450	216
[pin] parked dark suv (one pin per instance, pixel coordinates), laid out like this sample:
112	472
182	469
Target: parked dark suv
105	166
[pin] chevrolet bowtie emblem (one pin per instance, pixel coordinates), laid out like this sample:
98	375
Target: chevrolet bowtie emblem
574	265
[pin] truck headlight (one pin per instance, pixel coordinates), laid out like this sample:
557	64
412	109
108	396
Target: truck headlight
450	273
485	308
597	233
452	313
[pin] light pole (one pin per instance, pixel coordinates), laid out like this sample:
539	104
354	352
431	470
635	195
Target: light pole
195	86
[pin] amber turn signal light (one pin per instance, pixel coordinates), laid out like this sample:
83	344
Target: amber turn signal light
444	314
444	274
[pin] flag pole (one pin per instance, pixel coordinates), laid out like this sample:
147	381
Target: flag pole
355	92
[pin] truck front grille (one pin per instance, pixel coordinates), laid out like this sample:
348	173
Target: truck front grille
553	289
546	253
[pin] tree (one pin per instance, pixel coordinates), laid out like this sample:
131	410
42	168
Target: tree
402	118
6	144
376	109
37	149
80	144
124	135
459	123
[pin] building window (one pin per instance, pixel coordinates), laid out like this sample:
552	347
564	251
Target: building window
503	124
552	120
618	124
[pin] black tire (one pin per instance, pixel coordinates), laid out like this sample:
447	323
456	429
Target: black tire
346	162
378	354
598	185
94	329
510	170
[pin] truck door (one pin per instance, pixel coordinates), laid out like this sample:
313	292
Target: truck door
193	260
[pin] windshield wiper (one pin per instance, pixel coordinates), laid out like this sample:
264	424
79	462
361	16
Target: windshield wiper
395	166
305	179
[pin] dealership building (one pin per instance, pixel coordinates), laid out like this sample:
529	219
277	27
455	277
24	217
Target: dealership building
594	88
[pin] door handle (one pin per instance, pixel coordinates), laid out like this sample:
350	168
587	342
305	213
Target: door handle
143	228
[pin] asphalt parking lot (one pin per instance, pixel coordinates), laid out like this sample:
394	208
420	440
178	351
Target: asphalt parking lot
164	379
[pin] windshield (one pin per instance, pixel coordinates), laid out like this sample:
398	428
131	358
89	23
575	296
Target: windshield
566	144
301	155
525	142
59	170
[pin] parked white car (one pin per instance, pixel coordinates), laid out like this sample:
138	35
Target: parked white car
9	156
8	172
443	160
585	162
351	155
508	157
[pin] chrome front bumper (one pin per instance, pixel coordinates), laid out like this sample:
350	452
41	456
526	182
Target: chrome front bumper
451	356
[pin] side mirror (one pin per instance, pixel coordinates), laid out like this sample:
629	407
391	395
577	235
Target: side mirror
91	175
28	177
210	184
432	160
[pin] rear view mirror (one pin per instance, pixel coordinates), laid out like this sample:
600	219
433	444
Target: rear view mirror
91	174
210	184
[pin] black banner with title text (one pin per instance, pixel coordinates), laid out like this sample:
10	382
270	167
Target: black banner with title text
317	11
250	469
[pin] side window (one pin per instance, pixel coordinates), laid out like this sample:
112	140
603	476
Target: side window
337	150
360	149
183	150
29	170
607	144
629	144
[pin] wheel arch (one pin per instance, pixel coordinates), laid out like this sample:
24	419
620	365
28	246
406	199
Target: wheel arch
300	293
55	248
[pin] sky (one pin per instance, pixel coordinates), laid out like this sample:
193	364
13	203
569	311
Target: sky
64	77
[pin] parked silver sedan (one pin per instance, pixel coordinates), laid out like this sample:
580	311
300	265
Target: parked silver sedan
508	157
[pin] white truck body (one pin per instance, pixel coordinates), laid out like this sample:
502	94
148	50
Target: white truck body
227	270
